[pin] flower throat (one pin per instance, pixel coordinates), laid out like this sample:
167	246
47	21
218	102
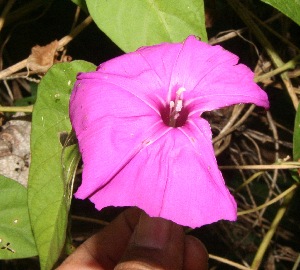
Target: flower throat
175	115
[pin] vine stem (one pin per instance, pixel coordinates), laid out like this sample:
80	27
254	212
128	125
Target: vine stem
276	199
288	65
297	262
16	109
61	43
248	181
269	235
247	17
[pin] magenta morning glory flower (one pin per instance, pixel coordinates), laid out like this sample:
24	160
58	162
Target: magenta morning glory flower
141	135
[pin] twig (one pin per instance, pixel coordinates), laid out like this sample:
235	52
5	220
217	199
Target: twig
276	147
10	94
226	261
91	220
12	69
235	126
17	109
256	147
226	35
288	65
283	166
230	34
265	138
248	181
237	110
243	176
275	33
276	199
61	43
76	17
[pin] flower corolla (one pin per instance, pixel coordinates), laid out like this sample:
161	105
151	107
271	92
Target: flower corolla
143	141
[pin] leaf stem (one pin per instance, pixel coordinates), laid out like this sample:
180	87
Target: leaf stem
269	235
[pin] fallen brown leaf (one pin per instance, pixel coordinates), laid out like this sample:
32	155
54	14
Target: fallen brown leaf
42	57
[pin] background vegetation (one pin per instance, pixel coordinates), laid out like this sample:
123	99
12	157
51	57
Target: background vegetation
258	151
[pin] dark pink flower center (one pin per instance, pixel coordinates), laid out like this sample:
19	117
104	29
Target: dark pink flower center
175	115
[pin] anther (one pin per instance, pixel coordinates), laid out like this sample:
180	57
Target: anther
176	107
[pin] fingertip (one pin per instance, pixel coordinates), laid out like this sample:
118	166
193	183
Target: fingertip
195	254
156	243
131	216
135	265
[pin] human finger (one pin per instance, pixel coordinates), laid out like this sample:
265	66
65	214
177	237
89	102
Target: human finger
195	254
155	244
103	250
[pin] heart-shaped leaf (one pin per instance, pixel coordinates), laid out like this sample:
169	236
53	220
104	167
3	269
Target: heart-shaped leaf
51	168
136	23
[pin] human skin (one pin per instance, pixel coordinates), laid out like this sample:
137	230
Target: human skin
137	242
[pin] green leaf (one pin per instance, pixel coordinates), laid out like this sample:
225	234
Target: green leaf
136	23
16	238
47	197
28	100
296	136
296	145
290	8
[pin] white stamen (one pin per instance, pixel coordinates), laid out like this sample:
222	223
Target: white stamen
176	106
180	91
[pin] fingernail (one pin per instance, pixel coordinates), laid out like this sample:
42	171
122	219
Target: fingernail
152	232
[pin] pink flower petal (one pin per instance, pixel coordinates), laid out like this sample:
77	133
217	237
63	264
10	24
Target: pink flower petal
110	125
195	61
175	178
213	79
223	90
150	67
